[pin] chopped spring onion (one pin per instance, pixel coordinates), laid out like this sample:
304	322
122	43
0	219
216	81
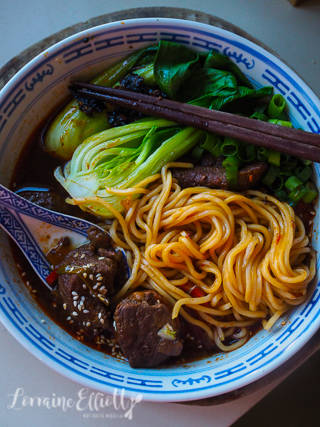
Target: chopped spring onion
262	153
274	157
276	106
230	147
213	144
231	165
259	116
303	173
292	183
271	175
280	122
277	184
197	152
298	193
312	192
247	152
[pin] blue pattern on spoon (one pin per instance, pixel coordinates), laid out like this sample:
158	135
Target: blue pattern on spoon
36	229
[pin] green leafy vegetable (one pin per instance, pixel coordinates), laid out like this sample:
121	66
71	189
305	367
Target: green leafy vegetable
71	126
174	65
121	158
276	106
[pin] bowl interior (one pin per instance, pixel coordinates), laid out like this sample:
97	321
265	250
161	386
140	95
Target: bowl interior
30	97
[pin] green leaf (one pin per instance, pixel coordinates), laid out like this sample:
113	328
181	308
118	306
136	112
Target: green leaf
121	158
173	66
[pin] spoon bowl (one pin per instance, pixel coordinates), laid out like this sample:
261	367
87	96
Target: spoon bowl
36	229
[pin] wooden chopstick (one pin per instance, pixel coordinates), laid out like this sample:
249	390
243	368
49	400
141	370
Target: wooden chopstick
291	141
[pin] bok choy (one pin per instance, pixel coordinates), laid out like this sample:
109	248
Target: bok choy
71	126
121	158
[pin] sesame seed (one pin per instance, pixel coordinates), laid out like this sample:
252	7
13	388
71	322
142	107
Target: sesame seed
74	293
83	298
95	286
102	287
75	303
84	286
82	256
86	311
91	277
69	318
76	254
88	323
85	275
102	321
76	297
23	274
102	257
64	306
99	315
43	321
79	307
27	283
74	313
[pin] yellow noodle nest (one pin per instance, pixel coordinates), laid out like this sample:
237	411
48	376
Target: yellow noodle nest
246	253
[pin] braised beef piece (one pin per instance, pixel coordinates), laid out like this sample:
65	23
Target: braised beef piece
98	238
145	330
47	199
215	176
87	278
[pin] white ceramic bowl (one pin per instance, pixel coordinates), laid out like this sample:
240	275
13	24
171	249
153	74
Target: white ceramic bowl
26	100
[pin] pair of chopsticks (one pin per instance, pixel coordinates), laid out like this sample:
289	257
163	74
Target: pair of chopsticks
291	141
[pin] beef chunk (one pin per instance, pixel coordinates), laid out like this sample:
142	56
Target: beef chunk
86	292
215	176
47	199
250	176
53	201
98	238
145	330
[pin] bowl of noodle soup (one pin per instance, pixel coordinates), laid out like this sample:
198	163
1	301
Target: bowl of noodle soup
238	248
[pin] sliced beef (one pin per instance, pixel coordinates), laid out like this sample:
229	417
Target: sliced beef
87	278
215	176
201	176
250	176
145	330
99	238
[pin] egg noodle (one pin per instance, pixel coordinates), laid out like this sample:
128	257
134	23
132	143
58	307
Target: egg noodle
248	255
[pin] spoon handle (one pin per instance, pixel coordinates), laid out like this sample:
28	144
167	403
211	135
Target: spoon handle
16	229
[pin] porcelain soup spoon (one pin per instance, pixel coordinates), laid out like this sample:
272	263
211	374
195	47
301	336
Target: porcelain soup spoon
36	229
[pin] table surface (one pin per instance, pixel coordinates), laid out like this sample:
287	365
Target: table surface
293	33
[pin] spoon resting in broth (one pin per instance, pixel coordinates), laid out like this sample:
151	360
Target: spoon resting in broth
36	230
